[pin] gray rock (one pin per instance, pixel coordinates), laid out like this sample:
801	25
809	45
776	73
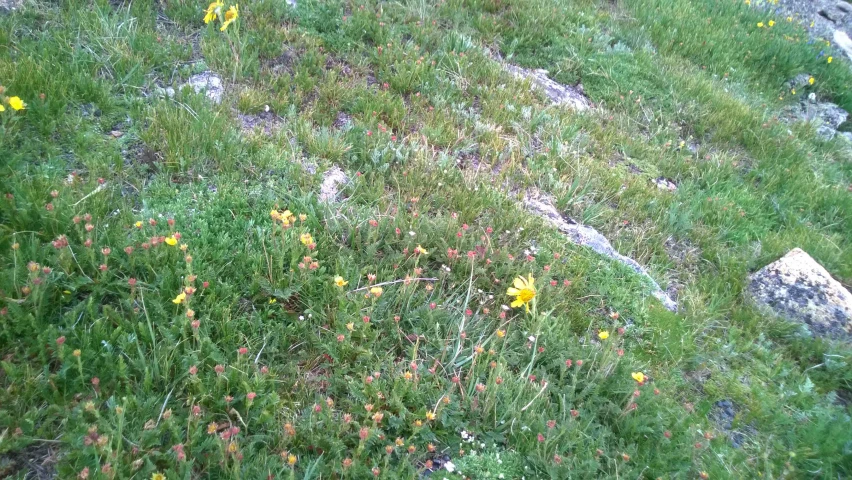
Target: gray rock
559	94
842	40
844	7
8	6
825	116
209	83
331	181
591	238
833	14
799	289
665	184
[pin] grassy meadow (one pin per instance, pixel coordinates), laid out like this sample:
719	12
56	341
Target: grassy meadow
177	301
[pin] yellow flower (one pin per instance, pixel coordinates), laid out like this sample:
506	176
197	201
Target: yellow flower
2	108
171	241
811	81
232	14
748	2
830	59
179	299
16	103
638	376
603	334
158	476
793	91
350	326
275	214
408	375
306	239
523	291
501	333
759	24
303	217
291	459
272	300
340	282
138	224
376	291
789	19
772	23
212	11
420	250
430	416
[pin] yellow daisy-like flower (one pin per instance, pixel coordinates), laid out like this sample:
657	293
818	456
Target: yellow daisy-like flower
772	23
501	333
16	103
811	81
523	290
430	415
603	334
213	11
306	239
830	59
138	224
376	291
171	241
638	376
158	476
340	282
232	14
759	24
179	299
291	459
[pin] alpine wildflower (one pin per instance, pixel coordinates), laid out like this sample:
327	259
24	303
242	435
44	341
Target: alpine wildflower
638	376
829	59
811	80
232	14
523	290
340	282
772	23
158	476
179	299
603	334
376	291
171	241
759	24
16	103
213	11
306	239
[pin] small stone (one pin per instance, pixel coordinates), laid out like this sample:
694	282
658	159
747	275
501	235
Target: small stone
799	289
844	7
209	83
665	184
116	133
332	179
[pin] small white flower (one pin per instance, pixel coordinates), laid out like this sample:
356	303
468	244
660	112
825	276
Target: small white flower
412	233
450	467
505	308
500	476
531	338
301	317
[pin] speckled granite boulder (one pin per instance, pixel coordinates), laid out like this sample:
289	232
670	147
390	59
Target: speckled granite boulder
798	288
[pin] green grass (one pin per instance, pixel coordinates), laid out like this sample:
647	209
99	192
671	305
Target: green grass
439	144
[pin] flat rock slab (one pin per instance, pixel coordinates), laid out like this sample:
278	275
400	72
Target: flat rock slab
589	237
559	94
332	180
799	289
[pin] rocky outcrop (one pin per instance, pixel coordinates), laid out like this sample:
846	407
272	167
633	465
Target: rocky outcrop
799	289
591	238
558	93
331	182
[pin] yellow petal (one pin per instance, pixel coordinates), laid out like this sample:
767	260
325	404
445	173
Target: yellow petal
520	283
517	303
513	291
